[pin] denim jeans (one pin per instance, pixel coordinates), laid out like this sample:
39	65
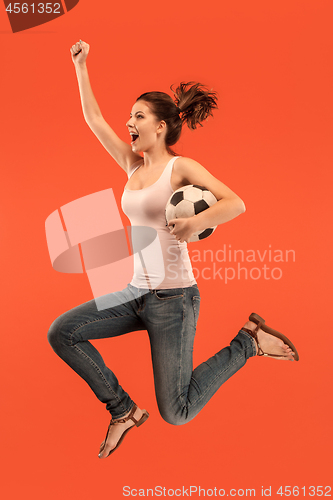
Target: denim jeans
170	317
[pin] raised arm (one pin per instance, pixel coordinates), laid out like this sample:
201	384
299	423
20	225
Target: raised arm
118	149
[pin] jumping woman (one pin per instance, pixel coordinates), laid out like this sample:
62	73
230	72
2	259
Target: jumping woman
169	313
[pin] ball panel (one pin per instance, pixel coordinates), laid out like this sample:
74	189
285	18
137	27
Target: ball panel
176	197
207	232
185	209
200	206
194	237
209	197
170	212
193	194
200	187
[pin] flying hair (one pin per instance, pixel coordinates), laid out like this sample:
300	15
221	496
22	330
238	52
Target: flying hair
195	102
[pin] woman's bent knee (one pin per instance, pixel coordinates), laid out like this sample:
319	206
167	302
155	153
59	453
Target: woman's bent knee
53	335
181	417
57	333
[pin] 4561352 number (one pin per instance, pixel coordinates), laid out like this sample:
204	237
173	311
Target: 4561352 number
34	8
311	491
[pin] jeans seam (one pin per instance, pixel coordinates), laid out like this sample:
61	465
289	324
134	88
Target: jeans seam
168	298
71	333
92	363
180	392
253	342
223	372
195	301
143	306
95	366
216	378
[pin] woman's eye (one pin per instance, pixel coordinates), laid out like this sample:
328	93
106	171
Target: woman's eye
139	116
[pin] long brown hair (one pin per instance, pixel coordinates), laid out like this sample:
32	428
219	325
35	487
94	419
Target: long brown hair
193	104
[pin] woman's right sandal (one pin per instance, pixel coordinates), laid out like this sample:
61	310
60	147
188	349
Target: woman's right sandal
260	322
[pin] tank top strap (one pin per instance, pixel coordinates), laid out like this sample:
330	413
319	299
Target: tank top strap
168	169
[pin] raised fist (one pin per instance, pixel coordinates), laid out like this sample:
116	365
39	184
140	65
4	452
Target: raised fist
79	52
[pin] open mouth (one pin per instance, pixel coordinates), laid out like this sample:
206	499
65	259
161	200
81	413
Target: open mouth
134	138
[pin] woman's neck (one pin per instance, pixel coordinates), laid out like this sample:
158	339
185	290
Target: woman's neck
157	157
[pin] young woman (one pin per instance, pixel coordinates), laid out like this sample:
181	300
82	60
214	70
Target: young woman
168	313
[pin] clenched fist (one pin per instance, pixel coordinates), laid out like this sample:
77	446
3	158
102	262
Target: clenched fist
79	52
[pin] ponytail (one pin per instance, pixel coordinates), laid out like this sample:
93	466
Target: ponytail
195	102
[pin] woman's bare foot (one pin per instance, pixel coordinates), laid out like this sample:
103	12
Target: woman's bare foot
115	433
270	344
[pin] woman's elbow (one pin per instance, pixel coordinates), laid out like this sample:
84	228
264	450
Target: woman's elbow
240	206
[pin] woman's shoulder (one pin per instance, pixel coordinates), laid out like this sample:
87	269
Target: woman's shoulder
184	166
188	171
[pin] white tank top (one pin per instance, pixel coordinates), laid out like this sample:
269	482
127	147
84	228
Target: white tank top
170	267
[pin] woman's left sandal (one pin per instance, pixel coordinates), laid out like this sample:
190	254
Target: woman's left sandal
260	322
130	416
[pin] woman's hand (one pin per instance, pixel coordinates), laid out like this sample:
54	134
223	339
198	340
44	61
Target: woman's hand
182	228
79	52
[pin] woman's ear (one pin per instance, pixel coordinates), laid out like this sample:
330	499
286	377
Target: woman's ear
161	127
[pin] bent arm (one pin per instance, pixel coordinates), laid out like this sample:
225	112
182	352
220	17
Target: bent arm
228	206
118	149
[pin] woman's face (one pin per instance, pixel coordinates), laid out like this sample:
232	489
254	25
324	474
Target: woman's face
144	128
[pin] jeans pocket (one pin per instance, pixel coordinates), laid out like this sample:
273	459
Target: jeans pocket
196	307
169	293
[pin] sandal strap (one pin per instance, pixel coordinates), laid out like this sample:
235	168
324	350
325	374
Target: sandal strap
260	351
255	336
125	419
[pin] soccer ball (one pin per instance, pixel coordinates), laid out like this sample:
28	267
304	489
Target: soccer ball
188	201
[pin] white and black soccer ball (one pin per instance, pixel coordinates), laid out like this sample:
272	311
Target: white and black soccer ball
188	201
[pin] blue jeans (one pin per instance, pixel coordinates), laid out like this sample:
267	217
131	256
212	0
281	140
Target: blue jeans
170	317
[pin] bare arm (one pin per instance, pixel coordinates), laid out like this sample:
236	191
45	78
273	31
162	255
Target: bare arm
118	149
228	206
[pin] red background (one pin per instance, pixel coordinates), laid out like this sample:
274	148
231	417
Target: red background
270	141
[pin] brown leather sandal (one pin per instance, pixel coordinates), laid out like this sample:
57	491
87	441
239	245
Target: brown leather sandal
130	416
260	322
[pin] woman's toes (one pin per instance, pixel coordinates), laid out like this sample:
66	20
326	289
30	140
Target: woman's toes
105	449
104	453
